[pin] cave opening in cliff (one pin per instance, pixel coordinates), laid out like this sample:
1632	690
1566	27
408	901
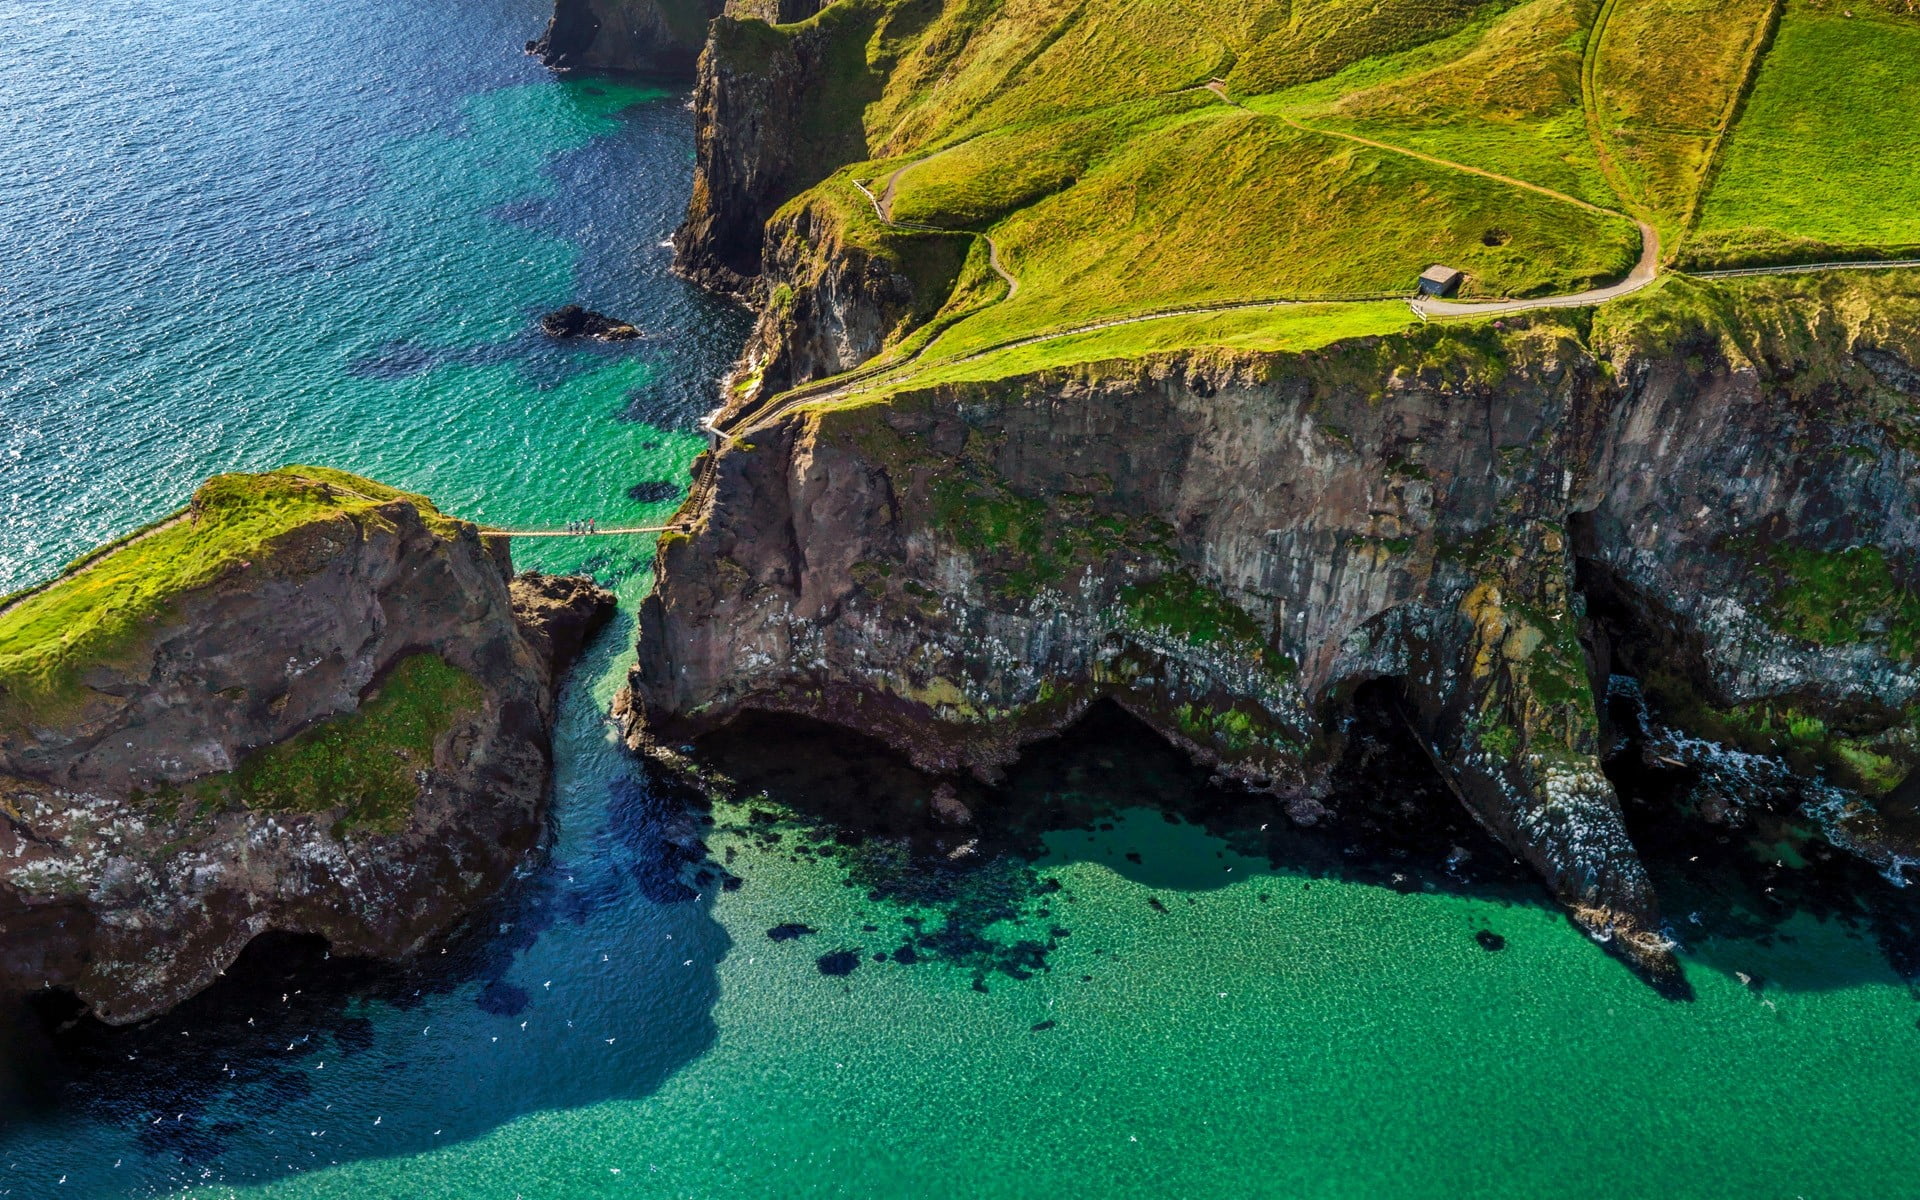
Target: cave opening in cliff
1726	834
1389	818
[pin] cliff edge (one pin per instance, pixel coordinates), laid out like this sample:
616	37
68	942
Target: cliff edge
1710	491
306	703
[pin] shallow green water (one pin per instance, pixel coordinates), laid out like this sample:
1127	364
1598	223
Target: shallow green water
259	234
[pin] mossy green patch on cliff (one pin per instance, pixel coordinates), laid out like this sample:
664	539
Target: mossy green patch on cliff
1201	616
102	606
1869	753
1023	545
366	763
1834	598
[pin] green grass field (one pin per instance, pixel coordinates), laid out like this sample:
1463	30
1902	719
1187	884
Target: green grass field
101	607
1826	157
1084	140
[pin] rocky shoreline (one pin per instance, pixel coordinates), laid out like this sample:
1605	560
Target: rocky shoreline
1493	523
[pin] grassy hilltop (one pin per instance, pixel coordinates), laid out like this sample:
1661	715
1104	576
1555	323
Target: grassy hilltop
104	604
1124	158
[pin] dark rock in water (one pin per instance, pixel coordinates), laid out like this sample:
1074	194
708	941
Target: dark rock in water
559	613
503	999
906	955
840	962
1133	856
880	956
1153	902
1043	1026
948	808
790	931
653	491
1489	940
575	322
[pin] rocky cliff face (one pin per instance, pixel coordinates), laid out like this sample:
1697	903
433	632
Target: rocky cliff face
1713	490
625	35
776	110
341	731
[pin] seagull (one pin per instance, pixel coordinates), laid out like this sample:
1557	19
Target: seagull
609	1041
547	984
523	1024
377	1120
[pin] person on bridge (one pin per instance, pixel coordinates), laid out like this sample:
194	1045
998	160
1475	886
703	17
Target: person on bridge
590	524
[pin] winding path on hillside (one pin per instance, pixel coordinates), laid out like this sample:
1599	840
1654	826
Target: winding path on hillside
1644	272
883	211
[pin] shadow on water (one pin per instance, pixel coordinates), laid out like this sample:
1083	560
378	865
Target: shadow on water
1733	887
590	977
970	864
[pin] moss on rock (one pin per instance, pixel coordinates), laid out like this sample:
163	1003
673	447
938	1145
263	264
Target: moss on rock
367	763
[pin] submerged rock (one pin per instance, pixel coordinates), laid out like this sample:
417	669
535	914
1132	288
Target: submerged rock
574	321
840	962
653	491
308	703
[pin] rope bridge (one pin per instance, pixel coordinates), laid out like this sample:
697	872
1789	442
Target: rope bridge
486	531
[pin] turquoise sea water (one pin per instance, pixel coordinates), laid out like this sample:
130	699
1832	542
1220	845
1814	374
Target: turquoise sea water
242	234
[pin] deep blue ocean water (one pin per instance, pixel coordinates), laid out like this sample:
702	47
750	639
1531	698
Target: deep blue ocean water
241	234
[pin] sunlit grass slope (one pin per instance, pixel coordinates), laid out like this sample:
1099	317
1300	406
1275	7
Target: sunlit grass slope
103	605
1131	157
1664	79
1502	93
1825	161
1232	205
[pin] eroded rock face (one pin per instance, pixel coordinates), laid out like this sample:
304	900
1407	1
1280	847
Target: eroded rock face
1229	548
132	871
827	305
625	35
765	128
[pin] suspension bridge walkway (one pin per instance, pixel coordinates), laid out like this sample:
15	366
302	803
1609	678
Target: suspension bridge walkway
490	531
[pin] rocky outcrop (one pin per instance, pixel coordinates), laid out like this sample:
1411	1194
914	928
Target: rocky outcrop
336	722
830	301
1231	546
573	321
625	35
775	111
